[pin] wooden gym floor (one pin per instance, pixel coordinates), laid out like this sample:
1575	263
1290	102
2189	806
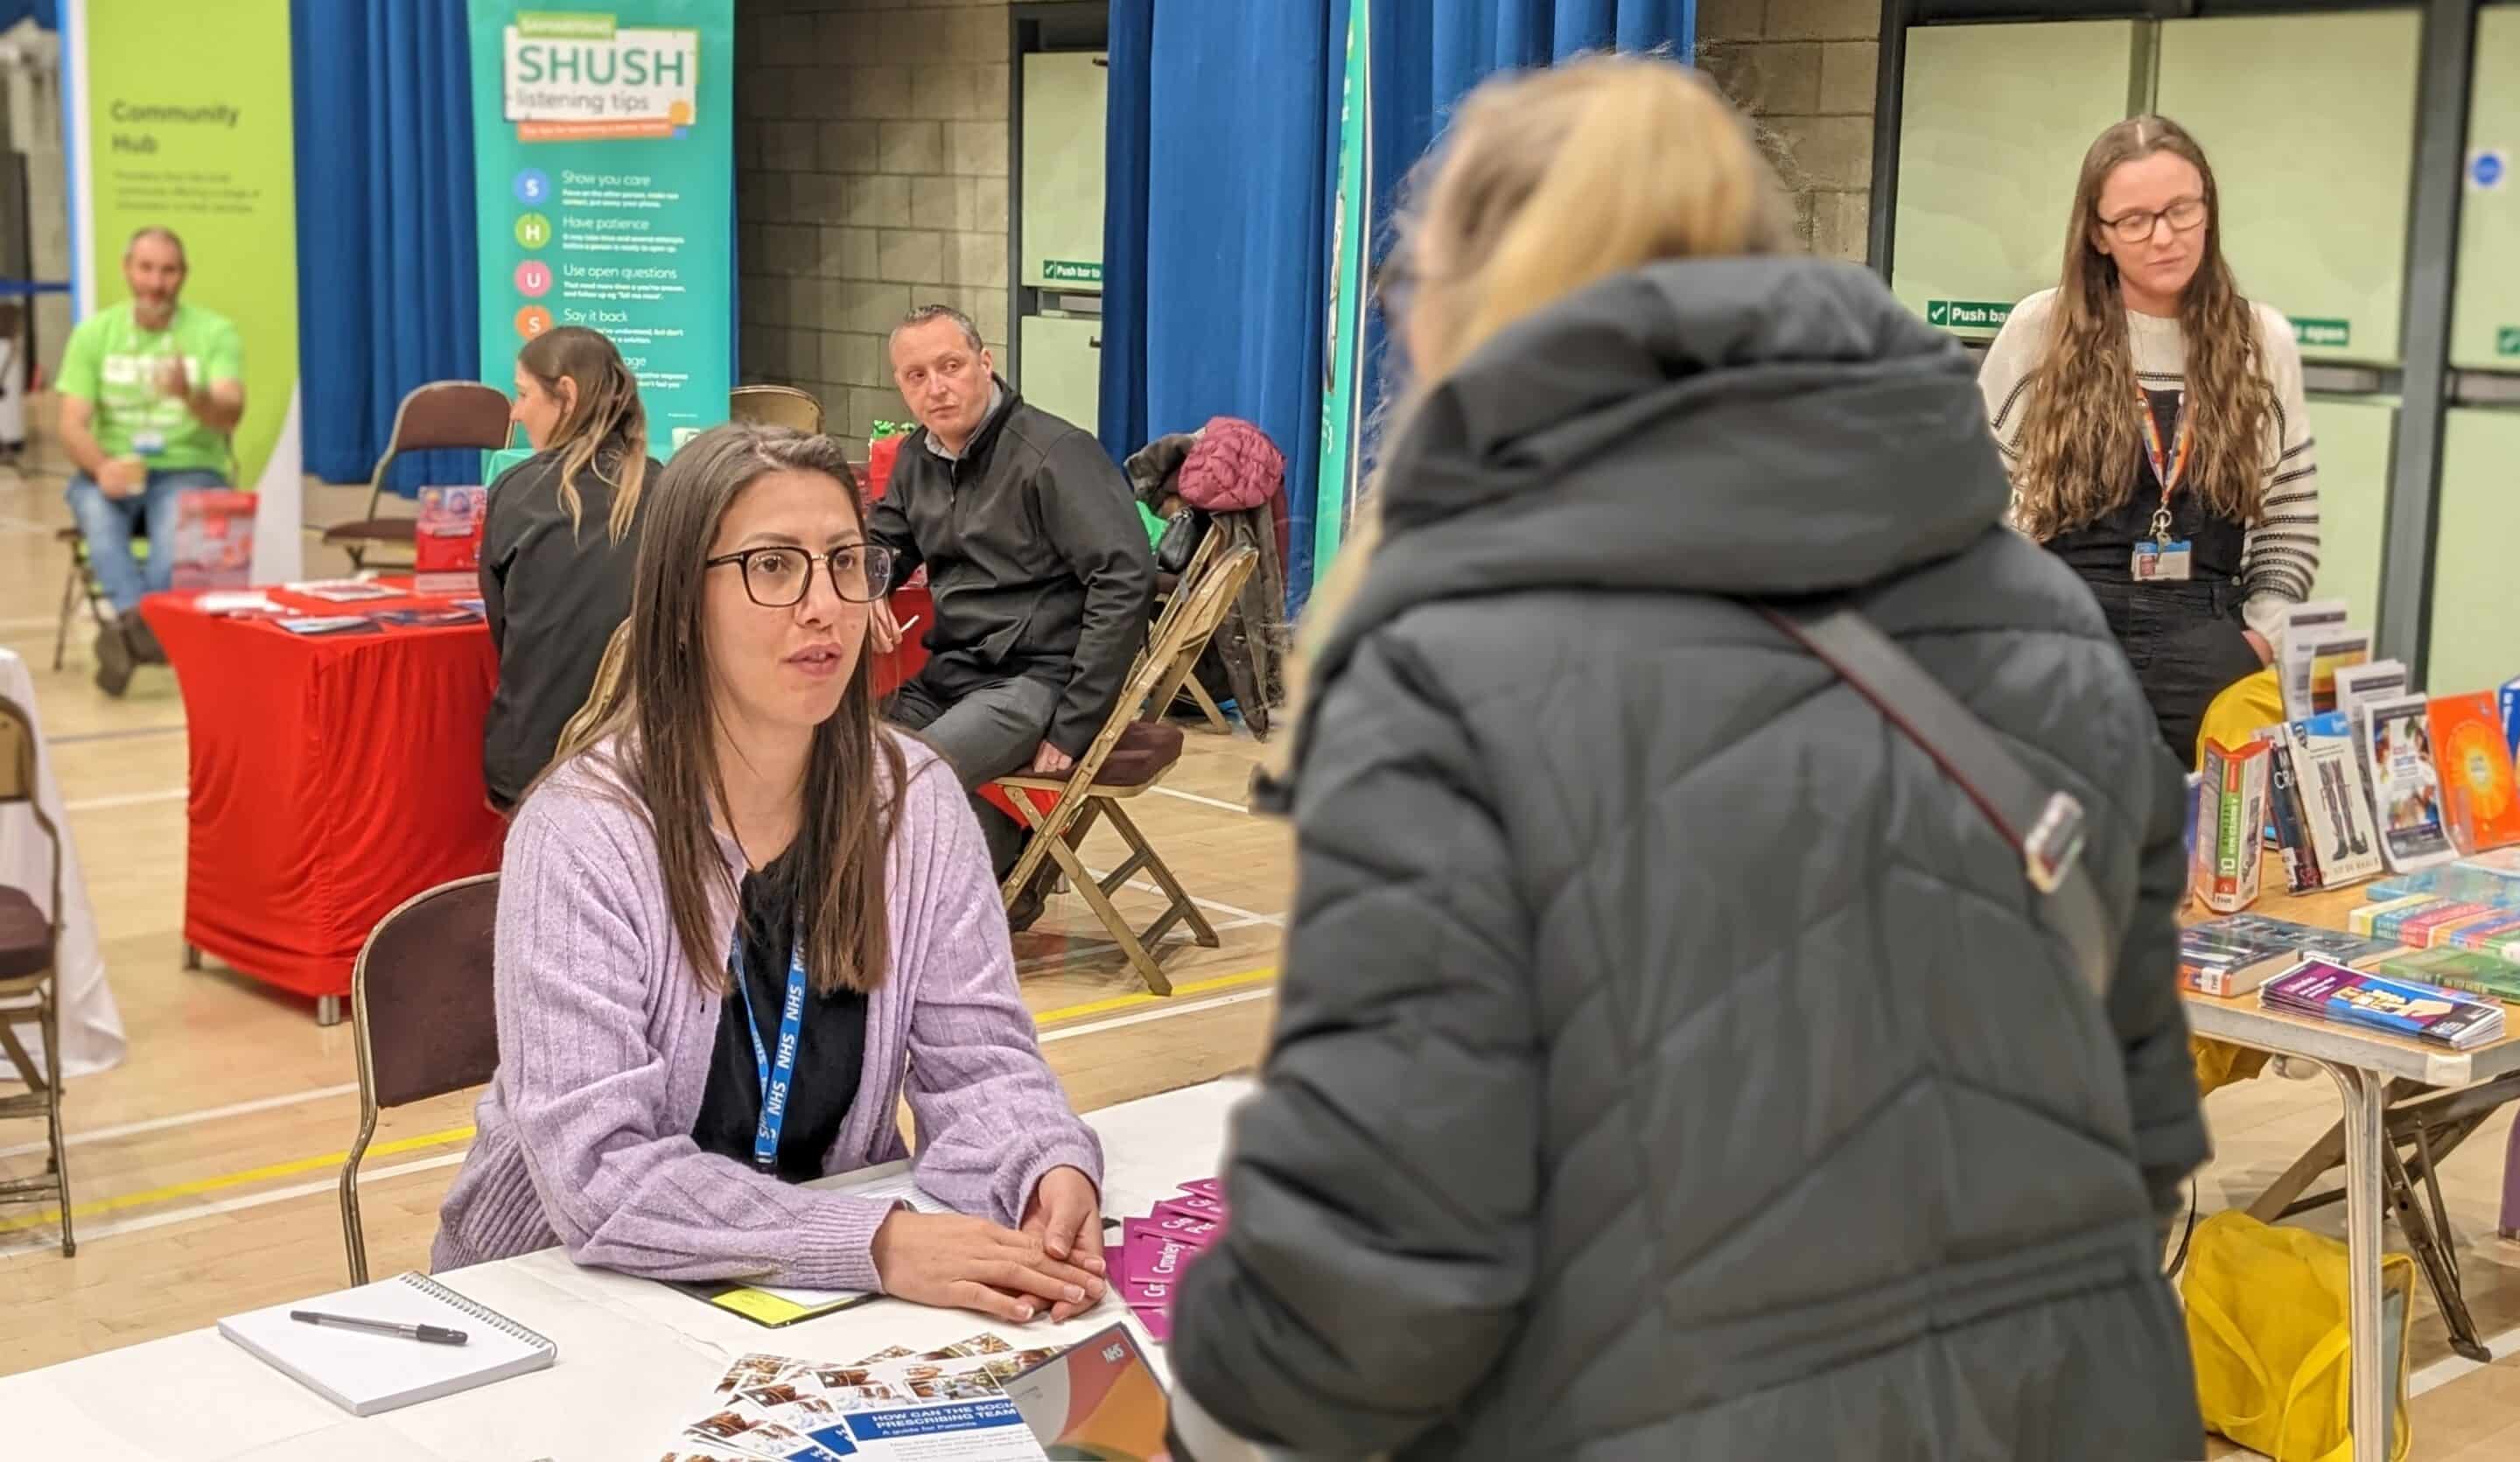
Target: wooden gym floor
204	1165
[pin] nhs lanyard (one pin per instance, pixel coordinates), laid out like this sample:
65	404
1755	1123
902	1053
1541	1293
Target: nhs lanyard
777	1074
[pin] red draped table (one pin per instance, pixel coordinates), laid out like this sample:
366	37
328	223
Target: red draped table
335	775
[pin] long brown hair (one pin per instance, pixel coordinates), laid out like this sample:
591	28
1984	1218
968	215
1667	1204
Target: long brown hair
605	422
663	729
2079	437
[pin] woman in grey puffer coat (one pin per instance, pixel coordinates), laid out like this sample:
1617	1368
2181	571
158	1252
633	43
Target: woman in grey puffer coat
1671	1061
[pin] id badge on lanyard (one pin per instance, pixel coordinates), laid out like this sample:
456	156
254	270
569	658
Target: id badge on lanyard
778	1073
2162	559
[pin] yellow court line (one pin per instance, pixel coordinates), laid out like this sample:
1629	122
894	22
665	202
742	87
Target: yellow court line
1148	997
199	1186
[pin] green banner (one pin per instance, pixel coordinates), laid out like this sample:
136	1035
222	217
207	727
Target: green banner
603	165
1343	352
180	118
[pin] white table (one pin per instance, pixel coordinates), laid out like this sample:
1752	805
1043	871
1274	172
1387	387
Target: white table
636	1360
2362	1065
91	1026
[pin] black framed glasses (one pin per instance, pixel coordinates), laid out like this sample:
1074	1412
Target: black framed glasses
779	577
2140	225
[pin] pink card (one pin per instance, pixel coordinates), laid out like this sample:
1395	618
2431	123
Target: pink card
1149	1256
1190	1229
1206	1188
1192	1205
1155	1295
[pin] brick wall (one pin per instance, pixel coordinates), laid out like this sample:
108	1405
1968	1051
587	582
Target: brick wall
1804	70
871	157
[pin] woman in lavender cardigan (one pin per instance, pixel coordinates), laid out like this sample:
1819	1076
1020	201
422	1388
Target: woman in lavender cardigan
748	886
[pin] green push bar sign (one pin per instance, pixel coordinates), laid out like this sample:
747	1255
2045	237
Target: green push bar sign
2333	334
2506	340
1966	314
1070	272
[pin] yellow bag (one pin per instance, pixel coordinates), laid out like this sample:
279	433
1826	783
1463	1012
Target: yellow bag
2267	1324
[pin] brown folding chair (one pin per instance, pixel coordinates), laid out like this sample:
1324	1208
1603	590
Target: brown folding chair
579	734
30	937
421	1016
1210	544
443	414
1127	757
776	406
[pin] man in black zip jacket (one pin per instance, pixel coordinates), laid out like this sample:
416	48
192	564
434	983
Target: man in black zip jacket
1038	563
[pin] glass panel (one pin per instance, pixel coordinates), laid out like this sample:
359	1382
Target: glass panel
2310	121
2476	578
2485	327
1996	122
2355	435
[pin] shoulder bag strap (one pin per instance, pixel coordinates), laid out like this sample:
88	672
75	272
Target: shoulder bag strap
2045	824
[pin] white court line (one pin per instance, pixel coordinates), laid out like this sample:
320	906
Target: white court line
187	1119
127	799
190	1211
1231	807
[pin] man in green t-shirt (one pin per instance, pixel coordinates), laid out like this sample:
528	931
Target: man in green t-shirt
149	390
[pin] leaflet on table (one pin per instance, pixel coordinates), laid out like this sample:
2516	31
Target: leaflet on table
2301	624
777	1305
894	1407
328	624
2427	1013
343	590
2478	785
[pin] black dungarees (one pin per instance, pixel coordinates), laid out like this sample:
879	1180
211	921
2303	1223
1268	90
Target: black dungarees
2185	639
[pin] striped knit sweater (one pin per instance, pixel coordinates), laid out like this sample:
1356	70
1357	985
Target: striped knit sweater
2281	560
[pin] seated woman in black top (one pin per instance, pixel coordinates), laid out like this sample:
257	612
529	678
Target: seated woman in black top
554	586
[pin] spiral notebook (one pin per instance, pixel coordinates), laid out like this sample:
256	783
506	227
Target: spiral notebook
365	1373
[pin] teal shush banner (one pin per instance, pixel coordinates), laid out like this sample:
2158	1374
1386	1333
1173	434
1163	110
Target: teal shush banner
604	159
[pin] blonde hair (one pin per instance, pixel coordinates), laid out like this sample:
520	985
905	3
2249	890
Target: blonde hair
2078	441
1548	181
1551	180
605	420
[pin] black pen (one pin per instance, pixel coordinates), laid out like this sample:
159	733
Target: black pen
435	1334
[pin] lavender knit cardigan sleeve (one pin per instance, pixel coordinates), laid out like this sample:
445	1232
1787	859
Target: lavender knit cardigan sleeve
604	1040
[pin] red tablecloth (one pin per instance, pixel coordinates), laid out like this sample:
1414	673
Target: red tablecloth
335	775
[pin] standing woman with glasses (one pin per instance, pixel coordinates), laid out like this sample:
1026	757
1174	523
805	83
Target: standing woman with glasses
747	886
2153	424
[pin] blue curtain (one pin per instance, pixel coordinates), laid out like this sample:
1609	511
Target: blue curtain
387	293
1127	121
1428	54
1222	135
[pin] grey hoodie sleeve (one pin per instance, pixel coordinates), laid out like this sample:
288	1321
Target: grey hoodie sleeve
1385	1178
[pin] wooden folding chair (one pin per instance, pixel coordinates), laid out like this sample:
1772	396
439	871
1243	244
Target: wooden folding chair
776	406
1130	755
421	1017
29	940
436	417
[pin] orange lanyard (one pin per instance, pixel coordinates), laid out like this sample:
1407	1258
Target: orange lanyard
2168	467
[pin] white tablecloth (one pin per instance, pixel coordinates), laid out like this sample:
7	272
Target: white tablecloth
91	1026
636	1360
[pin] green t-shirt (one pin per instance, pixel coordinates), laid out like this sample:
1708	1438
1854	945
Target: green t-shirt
111	363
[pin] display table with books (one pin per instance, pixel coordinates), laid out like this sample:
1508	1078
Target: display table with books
2370	1066
635	1362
